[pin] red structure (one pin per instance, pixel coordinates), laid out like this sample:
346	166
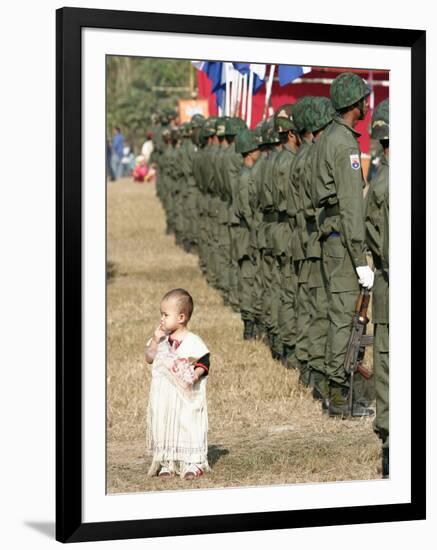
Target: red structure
316	82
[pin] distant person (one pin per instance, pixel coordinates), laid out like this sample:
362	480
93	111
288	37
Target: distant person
147	148
117	152
127	162
109	170
140	171
177	418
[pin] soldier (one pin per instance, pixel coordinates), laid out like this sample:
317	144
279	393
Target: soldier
338	187
270	273
246	144
224	243
175	178
301	113
197	122
285	344
377	238
188	206
203	173
322	113
232	163
164	179
258	237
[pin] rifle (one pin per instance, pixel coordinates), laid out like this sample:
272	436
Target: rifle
358	341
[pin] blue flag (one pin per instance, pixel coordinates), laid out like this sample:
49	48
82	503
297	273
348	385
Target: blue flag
258	71
288	73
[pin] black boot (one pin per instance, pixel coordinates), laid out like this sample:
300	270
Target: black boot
339	404
385	463
249	327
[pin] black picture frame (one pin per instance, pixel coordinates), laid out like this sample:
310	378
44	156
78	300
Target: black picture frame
69	24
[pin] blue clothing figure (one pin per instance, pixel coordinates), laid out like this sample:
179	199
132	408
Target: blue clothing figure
117	152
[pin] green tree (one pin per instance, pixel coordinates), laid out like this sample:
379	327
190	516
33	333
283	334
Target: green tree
136	87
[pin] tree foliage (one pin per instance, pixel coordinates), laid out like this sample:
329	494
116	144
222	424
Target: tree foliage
136	87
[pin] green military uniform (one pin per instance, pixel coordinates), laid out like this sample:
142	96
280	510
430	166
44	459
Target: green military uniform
320	117
188	207
232	163
224	243
270	276
282	235
203	200
258	240
164	178
338	187
297	245
197	122
212	203
246	142
377	237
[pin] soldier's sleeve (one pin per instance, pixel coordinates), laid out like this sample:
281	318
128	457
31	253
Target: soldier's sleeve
243	209
349	187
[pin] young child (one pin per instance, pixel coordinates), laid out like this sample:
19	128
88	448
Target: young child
140	170
177	418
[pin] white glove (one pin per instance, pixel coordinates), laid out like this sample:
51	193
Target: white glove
365	276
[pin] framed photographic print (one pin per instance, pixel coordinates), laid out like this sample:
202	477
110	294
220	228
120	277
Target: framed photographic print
189	398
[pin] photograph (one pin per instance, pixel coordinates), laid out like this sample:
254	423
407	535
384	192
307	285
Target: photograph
226	222
247	274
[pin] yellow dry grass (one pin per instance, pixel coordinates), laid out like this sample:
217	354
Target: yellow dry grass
263	427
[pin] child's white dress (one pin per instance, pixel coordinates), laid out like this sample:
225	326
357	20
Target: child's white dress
177	418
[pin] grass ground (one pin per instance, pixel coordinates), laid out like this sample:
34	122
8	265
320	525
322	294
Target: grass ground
264	428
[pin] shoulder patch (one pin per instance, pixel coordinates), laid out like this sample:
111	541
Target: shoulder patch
355	162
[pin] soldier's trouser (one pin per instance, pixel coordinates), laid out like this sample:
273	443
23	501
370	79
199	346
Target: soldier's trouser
233	268
318	329
287	320
273	311
223	259
303	322
267	263
212	253
342	290
341	307
257	289
381	373
202	240
247	270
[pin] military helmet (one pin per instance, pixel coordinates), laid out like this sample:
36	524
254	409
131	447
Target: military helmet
321	113
284	118
233	125
347	89
210	124
206	131
220	126
175	133
301	111
163	119
171	113
197	120
381	121
186	129
269	135
246	141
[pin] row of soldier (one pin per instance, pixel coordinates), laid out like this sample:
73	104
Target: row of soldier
282	229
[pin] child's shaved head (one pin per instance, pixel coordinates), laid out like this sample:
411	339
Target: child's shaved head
183	299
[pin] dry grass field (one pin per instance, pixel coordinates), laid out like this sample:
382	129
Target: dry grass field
263	427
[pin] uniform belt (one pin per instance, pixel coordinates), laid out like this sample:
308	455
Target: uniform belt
270	217
312	227
243	223
332	210
283	217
